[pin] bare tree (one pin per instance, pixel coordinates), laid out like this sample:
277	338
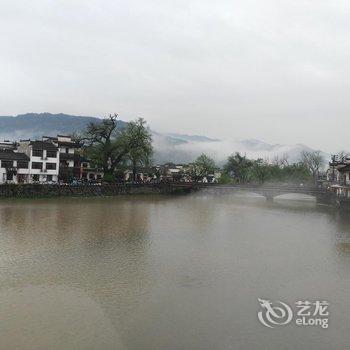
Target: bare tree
105	144
342	155
281	160
284	159
314	161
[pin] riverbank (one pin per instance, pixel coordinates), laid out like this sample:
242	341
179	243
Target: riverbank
48	191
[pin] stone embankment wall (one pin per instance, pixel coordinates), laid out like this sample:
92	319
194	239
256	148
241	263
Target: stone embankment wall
37	190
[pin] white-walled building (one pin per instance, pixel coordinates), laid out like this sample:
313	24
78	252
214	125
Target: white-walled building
69	165
344	177
14	167
43	160
339	172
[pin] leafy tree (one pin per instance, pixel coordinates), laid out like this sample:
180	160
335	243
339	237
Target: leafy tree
138	137
224	179
296	172
261	171
238	166
110	147
202	167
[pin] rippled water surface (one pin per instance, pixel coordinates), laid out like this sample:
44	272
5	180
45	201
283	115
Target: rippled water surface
169	272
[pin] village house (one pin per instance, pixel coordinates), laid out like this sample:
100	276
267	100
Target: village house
338	176
43	160
212	178
172	172
89	172
69	164
9	145
344	175
49	160
144	174
14	167
339	171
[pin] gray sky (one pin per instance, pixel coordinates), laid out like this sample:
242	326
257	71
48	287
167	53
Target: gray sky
275	70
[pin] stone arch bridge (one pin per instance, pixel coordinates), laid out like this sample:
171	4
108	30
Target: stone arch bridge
322	195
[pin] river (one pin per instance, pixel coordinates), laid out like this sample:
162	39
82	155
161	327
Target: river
170	272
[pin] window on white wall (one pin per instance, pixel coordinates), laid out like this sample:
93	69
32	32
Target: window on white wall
37	152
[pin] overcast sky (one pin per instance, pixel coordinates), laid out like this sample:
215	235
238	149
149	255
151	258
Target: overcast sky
275	70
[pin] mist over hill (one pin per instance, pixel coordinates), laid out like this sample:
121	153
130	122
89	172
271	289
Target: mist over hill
169	147
221	149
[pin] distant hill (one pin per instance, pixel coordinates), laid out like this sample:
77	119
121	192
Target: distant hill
178	148
191	138
35	125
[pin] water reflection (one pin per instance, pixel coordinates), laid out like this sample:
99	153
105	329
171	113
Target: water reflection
169	272
342	235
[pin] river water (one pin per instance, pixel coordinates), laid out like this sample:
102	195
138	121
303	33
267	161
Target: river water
162	272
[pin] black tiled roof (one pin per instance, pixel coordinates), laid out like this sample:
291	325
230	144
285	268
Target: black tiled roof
43	145
345	168
10	155
71	144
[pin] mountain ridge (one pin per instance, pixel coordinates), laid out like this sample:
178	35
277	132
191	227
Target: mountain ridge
179	148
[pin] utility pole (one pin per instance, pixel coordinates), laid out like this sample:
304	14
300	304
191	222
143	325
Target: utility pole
333	167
